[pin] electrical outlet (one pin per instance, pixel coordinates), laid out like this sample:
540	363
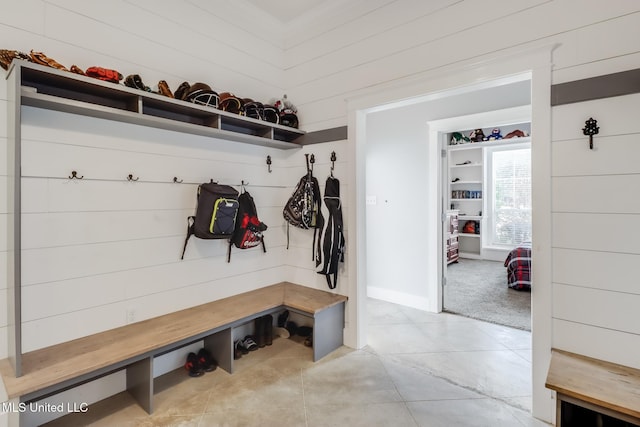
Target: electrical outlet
131	315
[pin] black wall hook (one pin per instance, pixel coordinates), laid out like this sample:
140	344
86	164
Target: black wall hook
269	163
591	128
175	179
74	175
333	161
131	178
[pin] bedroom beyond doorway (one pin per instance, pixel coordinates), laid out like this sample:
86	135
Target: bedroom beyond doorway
478	289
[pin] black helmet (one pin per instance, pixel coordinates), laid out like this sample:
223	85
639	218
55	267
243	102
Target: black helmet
201	93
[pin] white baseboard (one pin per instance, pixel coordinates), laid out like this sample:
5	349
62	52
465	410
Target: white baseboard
400	298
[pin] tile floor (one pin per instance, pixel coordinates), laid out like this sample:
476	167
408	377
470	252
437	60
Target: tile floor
419	369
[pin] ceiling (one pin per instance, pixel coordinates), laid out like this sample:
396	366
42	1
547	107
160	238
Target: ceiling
285	11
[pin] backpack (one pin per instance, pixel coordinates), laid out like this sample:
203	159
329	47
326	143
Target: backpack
302	210
331	242
216	211
248	229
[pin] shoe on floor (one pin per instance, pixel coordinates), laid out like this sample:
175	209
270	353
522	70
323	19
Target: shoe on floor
193	365
268	329
239	349
250	343
207	362
308	341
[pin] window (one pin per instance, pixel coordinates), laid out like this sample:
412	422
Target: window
509	170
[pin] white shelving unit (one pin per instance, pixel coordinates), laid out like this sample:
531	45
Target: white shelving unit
466	183
466	171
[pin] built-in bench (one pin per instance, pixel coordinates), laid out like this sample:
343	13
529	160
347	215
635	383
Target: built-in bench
593	392
53	369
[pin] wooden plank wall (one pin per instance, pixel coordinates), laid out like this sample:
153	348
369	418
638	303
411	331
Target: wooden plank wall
595	240
101	252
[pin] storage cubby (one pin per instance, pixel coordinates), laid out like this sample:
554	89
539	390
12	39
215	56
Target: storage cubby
49	88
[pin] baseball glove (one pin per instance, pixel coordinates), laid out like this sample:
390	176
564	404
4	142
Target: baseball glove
77	70
6	56
42	59
104	74
163	88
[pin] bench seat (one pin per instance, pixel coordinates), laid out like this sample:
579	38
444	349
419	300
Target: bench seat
603	387
132	347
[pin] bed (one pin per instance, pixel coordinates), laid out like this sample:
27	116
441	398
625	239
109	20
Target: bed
518	264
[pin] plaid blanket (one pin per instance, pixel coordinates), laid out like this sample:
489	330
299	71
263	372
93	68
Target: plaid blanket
518	265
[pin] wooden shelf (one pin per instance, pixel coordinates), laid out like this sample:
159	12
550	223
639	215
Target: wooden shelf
52	89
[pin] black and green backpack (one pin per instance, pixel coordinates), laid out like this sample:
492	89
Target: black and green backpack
216	212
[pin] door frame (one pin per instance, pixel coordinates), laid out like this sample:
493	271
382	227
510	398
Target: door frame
536	59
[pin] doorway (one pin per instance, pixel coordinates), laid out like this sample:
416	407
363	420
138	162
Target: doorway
486	190
454	80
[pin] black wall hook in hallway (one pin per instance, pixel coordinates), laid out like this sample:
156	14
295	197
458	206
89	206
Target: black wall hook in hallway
591	128
333	162
74	175
131	178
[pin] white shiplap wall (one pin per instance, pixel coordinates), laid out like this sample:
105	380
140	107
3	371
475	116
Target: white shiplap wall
595	241
97	248
392	41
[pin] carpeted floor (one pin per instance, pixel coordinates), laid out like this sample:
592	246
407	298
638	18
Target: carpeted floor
478	289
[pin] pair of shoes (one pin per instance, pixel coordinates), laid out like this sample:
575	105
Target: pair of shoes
244	346
264	330
206	360
198	364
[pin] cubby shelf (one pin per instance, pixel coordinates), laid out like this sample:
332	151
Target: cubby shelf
42	87
52	89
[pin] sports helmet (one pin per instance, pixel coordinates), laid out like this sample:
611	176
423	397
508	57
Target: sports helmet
229	102
182	89
289	118
202	94
271	114
253	109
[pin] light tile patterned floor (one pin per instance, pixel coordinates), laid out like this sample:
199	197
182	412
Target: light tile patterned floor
419	369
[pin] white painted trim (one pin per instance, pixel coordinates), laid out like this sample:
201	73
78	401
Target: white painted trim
463	76
401	298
